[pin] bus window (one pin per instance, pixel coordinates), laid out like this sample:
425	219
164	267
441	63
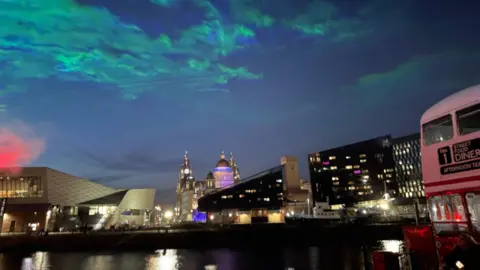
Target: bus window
469	120
446	212
457	207
439	209
473	204
438	130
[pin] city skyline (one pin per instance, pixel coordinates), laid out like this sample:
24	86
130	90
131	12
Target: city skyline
120	102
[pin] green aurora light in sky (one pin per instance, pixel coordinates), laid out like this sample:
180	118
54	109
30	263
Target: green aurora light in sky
71	42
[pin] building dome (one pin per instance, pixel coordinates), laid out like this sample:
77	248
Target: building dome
210	175
223	163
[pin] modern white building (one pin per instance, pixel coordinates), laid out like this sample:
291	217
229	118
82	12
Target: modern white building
44	198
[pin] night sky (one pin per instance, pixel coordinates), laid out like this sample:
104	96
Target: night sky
117	90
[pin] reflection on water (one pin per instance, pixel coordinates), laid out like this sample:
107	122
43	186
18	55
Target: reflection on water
39	260
345	258
166	259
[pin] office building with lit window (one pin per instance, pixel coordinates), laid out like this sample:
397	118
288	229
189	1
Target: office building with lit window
266	197
44	198
356	173
408	166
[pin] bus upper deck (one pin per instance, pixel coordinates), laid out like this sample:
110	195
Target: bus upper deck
451	143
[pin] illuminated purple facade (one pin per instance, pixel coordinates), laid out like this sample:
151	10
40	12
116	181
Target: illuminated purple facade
223	173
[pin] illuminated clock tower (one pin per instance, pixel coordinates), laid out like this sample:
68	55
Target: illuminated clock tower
185	179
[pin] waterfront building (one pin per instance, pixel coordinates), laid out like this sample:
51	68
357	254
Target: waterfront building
185	184
226	172
408	166
267	196
44	198
306	185
358	173
209	184
408	171
189	190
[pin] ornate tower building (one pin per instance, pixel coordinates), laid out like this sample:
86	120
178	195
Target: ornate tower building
236	171
185	181
223	173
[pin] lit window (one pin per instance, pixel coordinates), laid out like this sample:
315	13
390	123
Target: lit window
332	158
335	178
348	157
348	167
93	211
362	155
363	160
279	180
333	167
438	130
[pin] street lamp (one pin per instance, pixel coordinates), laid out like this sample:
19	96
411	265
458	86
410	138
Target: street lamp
168	214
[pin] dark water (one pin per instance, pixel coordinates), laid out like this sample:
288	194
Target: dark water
344	258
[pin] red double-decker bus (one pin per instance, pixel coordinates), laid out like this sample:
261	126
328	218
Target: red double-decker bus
450	149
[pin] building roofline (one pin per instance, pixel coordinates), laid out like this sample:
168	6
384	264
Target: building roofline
351	144
250	178
406	137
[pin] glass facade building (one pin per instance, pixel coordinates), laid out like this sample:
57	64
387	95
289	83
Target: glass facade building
408	166
353	173
21	187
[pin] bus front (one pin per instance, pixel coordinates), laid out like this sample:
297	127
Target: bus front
450	133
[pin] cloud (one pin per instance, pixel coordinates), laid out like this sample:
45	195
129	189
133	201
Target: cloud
109	178
134	161
421	75
19	145
72	42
